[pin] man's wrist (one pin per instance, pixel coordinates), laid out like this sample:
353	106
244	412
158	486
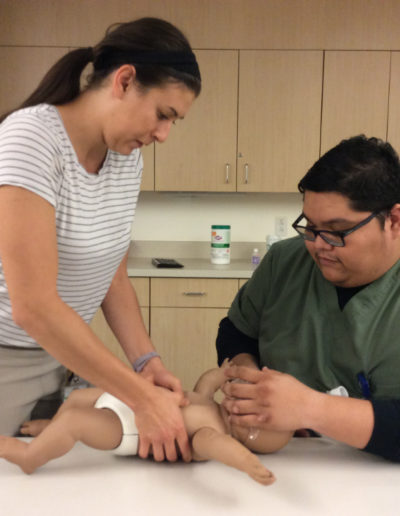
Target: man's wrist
314	410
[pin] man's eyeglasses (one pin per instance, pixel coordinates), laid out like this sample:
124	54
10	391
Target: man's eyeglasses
335	238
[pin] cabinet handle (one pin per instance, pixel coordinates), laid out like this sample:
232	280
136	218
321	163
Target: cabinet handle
227	170
194	293
246	173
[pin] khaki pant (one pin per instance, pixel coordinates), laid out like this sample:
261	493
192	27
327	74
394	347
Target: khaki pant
26	376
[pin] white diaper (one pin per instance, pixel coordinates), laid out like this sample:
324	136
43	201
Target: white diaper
130	436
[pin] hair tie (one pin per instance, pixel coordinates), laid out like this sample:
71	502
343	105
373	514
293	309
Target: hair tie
178	60
91	53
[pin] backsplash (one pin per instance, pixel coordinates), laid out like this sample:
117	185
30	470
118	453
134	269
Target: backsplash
166	216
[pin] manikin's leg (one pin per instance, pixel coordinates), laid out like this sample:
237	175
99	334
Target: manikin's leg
100	429
207	443
80	398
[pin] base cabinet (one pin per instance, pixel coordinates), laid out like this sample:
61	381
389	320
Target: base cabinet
185	339
184	319
182	316
103	331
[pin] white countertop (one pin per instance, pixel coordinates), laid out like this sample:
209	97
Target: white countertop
314	477
195	257
192	268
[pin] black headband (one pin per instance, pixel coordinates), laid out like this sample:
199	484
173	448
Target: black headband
180	61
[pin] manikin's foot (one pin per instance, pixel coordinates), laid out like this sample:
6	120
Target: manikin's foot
13	450
34	427
261	474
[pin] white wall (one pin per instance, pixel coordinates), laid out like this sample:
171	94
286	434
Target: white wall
188	216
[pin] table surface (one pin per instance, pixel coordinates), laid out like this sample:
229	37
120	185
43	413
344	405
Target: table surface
315	476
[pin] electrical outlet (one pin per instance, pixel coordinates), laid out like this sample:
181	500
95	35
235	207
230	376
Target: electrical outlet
280	226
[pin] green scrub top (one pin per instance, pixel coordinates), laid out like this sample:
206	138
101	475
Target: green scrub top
294	313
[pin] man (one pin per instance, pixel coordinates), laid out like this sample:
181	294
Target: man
322	310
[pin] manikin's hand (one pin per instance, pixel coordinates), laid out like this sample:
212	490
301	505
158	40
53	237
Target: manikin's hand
270	399
161	427
156	373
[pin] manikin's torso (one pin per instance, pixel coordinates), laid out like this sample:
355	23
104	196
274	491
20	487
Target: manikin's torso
203	412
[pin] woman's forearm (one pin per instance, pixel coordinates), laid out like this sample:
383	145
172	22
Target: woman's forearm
64	335
122	312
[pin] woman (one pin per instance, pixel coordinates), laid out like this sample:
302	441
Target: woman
70	170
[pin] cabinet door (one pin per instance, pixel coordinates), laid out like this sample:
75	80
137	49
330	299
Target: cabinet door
185	314
103	331
356	89
394	103
24	70
279	118
185	339
200	152
148	168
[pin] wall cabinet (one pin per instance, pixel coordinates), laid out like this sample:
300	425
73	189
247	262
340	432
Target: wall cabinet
25	67
277	129
356	96
148	168
200	153
262	119
103	331
394	102
279	118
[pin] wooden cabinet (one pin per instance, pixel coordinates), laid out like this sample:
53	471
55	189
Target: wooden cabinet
356	94
185	314
279	118
279	106
394	102
24	68
200	153
182	320
101	328
148	168
257	126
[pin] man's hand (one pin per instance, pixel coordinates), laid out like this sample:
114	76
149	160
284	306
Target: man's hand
277	401
269	399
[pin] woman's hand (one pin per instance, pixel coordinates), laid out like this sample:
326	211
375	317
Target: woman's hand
269	399
161	428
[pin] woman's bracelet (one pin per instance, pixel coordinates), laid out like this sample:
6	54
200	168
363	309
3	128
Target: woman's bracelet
140	362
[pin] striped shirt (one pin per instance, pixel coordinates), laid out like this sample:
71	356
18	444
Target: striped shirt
93	212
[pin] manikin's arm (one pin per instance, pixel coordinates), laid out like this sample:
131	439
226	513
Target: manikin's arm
210	381
208	443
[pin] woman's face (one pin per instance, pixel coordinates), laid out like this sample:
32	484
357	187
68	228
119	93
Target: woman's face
142	117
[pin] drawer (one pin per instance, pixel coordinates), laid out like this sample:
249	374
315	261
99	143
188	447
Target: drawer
142	289
193	292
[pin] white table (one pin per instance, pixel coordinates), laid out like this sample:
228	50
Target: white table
314	477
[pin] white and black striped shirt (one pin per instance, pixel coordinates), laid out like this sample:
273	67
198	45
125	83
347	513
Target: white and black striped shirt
93	212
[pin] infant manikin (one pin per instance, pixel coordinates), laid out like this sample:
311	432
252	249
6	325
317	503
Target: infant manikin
207	423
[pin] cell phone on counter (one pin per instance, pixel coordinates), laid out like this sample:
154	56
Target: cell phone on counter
166	263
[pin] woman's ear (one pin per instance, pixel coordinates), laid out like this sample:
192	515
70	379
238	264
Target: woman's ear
123	80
